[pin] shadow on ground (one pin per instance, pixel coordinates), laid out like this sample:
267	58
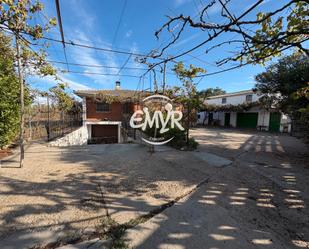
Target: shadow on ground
260	201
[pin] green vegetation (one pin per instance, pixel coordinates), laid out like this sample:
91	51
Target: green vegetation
61	97
285	85
16	18
187	95
251	40
204	94
180	140
9	92
110	229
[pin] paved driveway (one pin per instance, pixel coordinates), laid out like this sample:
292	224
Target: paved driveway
260	201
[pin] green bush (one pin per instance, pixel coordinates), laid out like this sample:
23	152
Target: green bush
179	140
192	144
9	92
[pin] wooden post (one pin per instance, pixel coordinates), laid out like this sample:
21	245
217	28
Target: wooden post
48	118
30	128
152	147
164	77
22	105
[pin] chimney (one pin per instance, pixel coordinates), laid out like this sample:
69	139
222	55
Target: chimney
117	87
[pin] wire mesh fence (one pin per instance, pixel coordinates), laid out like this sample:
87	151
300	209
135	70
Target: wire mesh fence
46	122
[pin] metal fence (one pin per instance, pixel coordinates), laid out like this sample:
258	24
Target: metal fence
43	122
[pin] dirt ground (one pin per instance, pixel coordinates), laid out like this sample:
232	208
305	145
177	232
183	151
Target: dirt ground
260	201
63	190
267	187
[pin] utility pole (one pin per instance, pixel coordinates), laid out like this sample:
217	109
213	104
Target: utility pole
22	105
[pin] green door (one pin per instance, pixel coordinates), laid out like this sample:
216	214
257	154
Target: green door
227	118
274	121
247	120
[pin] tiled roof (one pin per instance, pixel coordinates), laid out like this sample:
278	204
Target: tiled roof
123	94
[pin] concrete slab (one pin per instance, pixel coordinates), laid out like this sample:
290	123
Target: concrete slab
23	240
195	223
91	244
212	159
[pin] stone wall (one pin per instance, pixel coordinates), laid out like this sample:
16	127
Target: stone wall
77	137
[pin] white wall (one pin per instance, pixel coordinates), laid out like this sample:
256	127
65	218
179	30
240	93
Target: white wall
77	137
285	123
263	115
263	118
220	116
232	100
233	119
201	118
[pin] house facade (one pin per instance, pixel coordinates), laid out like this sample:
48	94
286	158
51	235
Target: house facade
253	117
106	113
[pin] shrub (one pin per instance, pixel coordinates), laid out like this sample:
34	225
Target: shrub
179	141
9	92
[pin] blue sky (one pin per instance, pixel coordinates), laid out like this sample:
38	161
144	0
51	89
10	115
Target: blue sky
94	23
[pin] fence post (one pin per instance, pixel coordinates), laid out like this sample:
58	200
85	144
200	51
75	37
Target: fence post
30	129
48	119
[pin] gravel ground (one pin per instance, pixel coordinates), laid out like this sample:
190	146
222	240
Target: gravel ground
63	190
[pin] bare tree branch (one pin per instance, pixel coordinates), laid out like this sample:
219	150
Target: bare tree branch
256	45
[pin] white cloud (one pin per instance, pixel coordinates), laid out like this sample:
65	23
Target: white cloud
129	33
73	84
79	9
265	1
180	2
93	57
186	40
214	9
49	81
133	62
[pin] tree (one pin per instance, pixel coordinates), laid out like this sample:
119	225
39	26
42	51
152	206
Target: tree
9	92
59	94
254	40
16	17
204	94
187	94
285	85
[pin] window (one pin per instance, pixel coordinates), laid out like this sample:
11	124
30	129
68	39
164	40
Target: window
103	107
223	100
126	108
249	98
